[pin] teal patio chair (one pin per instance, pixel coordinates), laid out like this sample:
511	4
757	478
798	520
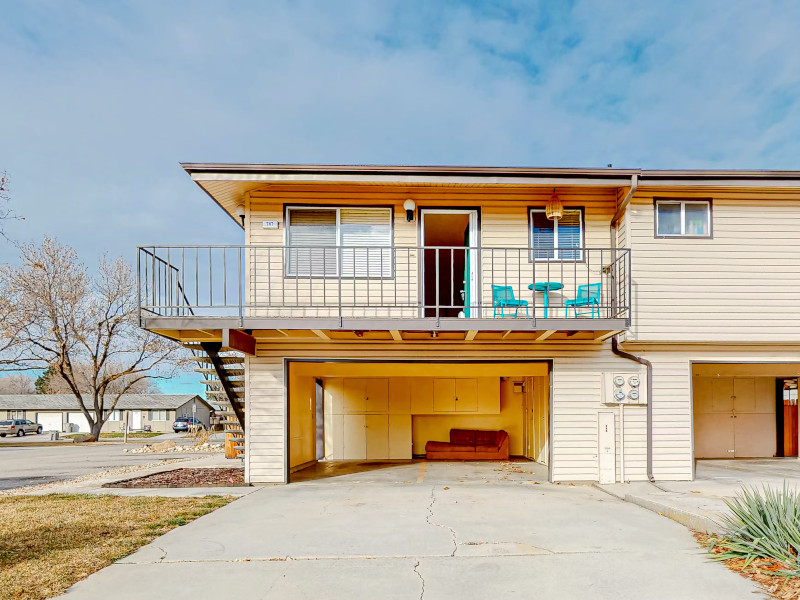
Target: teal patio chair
503	297
588	295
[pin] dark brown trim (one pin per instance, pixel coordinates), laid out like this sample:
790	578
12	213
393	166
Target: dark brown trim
582	209
710	202
609	173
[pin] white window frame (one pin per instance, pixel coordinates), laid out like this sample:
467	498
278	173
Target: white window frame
117	412
338	211
154	414
556	256
683	204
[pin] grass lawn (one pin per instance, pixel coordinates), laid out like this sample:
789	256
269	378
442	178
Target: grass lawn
48	543
119	434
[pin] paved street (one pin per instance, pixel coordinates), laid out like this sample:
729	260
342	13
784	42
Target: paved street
29	465
423	530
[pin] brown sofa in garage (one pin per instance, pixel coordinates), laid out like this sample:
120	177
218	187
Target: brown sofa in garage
470	444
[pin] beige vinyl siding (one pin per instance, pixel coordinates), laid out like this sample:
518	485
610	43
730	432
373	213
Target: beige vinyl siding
265	419
740	285
503	224
577	398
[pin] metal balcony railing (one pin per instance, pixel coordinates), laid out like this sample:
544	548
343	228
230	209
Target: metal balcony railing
384	282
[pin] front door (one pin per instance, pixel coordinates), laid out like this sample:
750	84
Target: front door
136	420
449	262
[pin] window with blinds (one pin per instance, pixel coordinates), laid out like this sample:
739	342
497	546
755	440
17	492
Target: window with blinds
327	242
560	239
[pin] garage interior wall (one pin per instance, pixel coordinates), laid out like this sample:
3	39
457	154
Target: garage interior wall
401	413
734	409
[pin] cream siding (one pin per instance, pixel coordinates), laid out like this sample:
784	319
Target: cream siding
503	224
741	285
576	400
265	434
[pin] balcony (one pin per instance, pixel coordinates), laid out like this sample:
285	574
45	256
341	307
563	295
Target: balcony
391	289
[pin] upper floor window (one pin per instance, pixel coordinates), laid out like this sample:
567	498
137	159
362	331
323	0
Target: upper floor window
328	242
561	239
683	218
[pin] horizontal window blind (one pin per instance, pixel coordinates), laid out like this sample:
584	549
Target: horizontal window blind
307	231
359	238
361	230
557	239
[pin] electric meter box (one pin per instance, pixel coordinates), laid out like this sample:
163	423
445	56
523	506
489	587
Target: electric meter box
624	388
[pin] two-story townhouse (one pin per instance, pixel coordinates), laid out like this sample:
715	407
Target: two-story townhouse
617	323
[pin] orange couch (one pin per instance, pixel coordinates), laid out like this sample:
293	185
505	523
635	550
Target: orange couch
470	444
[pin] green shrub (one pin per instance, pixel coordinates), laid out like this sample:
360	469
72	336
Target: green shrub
763	524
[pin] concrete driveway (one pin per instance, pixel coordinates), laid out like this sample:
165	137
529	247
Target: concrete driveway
423	530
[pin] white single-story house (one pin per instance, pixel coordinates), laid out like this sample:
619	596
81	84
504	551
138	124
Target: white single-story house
60	412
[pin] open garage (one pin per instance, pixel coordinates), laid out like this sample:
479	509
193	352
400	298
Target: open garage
361	411
745	410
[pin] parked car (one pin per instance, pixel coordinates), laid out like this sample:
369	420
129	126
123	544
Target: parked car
18	427
187	424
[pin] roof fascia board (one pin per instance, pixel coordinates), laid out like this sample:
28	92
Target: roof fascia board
646	182
413	179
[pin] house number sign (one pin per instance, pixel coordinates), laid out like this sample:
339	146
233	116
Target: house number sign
270	224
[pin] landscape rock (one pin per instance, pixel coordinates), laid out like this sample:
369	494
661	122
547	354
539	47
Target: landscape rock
162	446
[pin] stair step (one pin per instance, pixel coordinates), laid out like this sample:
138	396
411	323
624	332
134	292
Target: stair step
226	360
237	393
239	448
229	371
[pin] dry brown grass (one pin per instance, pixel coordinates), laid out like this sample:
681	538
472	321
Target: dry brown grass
47	543
761	570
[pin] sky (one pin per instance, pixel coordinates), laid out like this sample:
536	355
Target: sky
100	101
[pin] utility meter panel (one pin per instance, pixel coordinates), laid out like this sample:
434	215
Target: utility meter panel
624	388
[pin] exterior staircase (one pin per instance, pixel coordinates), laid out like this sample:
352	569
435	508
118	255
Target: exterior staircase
223	375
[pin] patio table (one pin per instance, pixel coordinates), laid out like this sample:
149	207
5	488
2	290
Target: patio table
545	287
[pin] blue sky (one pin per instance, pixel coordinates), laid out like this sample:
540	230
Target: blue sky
102	100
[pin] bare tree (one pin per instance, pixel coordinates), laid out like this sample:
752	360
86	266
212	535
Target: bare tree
83	328
53	383
17	383
6	212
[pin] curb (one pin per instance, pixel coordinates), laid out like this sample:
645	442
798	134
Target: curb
701	523
687	518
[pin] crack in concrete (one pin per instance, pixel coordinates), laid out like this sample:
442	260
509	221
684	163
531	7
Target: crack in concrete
163	555
430	522
422	579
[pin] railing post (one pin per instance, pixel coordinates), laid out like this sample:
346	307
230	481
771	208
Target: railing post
339	263
239	285
139	285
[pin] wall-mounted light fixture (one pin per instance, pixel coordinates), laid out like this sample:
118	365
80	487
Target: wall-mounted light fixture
409	207
240	213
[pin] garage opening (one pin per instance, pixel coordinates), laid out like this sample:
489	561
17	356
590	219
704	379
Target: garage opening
384	412
745	410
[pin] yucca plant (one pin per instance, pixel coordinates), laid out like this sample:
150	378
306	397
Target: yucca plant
763	524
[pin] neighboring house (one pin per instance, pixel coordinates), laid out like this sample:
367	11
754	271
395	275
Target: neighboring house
60	412
617	323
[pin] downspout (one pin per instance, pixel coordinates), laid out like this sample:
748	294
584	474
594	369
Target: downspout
649	366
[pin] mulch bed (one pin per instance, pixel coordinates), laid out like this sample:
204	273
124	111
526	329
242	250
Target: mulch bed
186	478
760	571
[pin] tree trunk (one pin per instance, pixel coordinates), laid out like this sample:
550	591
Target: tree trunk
96	430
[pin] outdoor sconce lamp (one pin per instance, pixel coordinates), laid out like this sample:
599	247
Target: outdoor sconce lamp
240	213
409	207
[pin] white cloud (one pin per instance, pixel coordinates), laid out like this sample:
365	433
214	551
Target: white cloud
103	100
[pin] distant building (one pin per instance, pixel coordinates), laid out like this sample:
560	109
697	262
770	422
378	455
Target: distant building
60	412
